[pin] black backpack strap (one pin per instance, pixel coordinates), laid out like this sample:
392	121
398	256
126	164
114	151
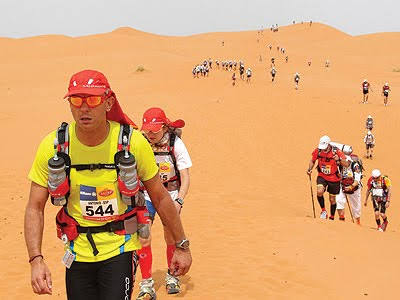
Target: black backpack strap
63	138
172	154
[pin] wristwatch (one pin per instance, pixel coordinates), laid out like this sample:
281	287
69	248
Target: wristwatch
184	244
179	200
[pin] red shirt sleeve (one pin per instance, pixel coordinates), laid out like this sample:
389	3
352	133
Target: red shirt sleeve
369	183
314	155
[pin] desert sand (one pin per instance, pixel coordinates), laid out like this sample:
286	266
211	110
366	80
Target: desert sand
248	213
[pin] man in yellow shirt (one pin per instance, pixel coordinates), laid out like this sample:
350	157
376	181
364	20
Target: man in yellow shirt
95	221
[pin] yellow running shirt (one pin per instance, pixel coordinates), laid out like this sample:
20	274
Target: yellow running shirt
97	181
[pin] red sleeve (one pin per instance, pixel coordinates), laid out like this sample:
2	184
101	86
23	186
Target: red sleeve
314	155
341	154
369	183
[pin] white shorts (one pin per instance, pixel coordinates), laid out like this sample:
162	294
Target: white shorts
354	199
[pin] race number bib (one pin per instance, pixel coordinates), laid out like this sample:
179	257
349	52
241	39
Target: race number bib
98	203
377	192
165	170
326	169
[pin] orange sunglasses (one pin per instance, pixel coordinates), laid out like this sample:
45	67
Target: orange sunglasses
91	101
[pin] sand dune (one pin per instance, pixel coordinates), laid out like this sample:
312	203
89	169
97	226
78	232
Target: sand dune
248	213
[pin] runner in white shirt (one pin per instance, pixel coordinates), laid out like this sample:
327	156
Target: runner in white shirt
174	162
350	187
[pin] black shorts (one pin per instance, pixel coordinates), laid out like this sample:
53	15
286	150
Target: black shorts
385	94
333	187
369	146
110	279
379	205
273	75
365	92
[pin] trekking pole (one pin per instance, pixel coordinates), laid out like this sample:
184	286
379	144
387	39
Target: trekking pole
312	196
351	213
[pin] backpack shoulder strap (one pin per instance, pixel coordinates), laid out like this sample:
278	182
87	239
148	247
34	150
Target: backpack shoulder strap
63	138
172	154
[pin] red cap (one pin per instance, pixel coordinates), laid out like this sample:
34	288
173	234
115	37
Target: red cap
154	118
90	82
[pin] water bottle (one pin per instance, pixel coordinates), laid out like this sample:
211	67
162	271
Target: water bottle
57	182
128	179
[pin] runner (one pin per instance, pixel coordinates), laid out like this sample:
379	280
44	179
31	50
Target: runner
210	62
369	124
380	189
97	190
369	141
365	88
234	79
287	58
273	73
327	64
350	188
241	71
174	162
329	159
217	63
296	80
385	93
248	74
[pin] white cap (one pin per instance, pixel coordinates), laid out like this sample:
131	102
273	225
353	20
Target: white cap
376	173
324	142
369	132
369	117
386	84
365	80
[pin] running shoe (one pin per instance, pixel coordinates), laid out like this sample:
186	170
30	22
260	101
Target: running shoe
147	291
172	284
384	225
323	215
380	229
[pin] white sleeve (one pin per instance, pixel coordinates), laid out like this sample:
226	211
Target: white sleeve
183	160
365	139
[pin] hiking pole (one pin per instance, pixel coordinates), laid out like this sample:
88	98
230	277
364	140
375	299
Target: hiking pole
312	196
351	213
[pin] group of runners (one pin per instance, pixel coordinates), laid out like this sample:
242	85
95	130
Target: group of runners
366	86
109	179
340	173
203	69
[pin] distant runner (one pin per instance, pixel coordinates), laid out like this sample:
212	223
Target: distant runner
369	141
296	80
385	93
365	88
234	79
248	74
369	124
273	73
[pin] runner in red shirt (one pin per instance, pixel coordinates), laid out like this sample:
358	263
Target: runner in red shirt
329	159
365	88
385	93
